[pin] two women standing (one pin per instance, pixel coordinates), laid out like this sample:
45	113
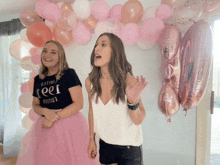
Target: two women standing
61	135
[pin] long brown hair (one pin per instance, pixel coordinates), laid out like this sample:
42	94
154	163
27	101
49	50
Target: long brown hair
63	65
118	69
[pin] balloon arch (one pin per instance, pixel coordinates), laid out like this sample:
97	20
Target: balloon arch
183	81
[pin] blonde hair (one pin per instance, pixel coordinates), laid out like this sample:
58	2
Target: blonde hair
63	65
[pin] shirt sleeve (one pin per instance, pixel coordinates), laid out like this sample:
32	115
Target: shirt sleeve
72	78
35	88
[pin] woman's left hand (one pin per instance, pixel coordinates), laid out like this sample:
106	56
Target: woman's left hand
46	124
134	92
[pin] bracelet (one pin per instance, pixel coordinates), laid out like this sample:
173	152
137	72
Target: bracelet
133	107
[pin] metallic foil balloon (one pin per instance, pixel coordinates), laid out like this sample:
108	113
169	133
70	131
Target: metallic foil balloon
185	13
196	57
169	43
168	101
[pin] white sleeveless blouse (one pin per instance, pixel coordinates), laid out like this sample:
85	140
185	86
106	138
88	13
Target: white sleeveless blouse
113	124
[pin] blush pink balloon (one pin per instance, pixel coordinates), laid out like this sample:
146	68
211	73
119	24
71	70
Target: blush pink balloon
36	59
32	115
28	17
130	33
40	7
25	100
115	13
168	101
100	10
52	12
196	59
25	88
33	51
163	12
80	33
117	29
151	29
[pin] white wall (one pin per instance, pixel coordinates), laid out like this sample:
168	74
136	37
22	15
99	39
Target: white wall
164	143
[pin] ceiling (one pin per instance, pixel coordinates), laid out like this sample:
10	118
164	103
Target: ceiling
8	7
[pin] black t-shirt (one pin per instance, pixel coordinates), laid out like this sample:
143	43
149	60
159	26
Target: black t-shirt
55	95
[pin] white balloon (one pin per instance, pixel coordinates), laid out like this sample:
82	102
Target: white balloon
26	122
148	13
143	44
102	27
23	34
82	9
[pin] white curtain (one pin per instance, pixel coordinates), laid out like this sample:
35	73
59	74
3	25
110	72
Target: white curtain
11	77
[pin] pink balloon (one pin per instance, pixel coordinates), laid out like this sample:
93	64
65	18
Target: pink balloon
163	12
33	74
36	59
25	100
25	88
168	101
33	51
169	43
52	12
40	7
80	33
196	59
100	10
32	115
115	13
117	29
130	33
151	29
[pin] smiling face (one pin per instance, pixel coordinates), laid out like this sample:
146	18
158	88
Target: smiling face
50	56
102	51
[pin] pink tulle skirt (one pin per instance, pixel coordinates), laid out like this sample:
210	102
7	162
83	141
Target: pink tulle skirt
65	143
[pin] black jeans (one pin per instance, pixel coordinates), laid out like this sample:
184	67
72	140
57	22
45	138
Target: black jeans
123	155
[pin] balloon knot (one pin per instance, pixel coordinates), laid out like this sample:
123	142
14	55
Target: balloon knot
169	120
186	112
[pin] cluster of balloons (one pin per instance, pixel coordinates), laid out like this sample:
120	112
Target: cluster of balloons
187	12
68	23
25	101
185	66
75	22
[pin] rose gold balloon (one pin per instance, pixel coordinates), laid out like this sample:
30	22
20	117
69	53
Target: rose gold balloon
90	23
67	21
62	36
168	102
66	7
169	43
196	57
132	12
28	17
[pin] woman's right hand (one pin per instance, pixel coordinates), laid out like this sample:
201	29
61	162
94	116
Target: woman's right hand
50	115
92	151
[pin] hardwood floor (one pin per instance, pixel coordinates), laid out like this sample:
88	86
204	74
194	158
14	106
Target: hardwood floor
6	161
